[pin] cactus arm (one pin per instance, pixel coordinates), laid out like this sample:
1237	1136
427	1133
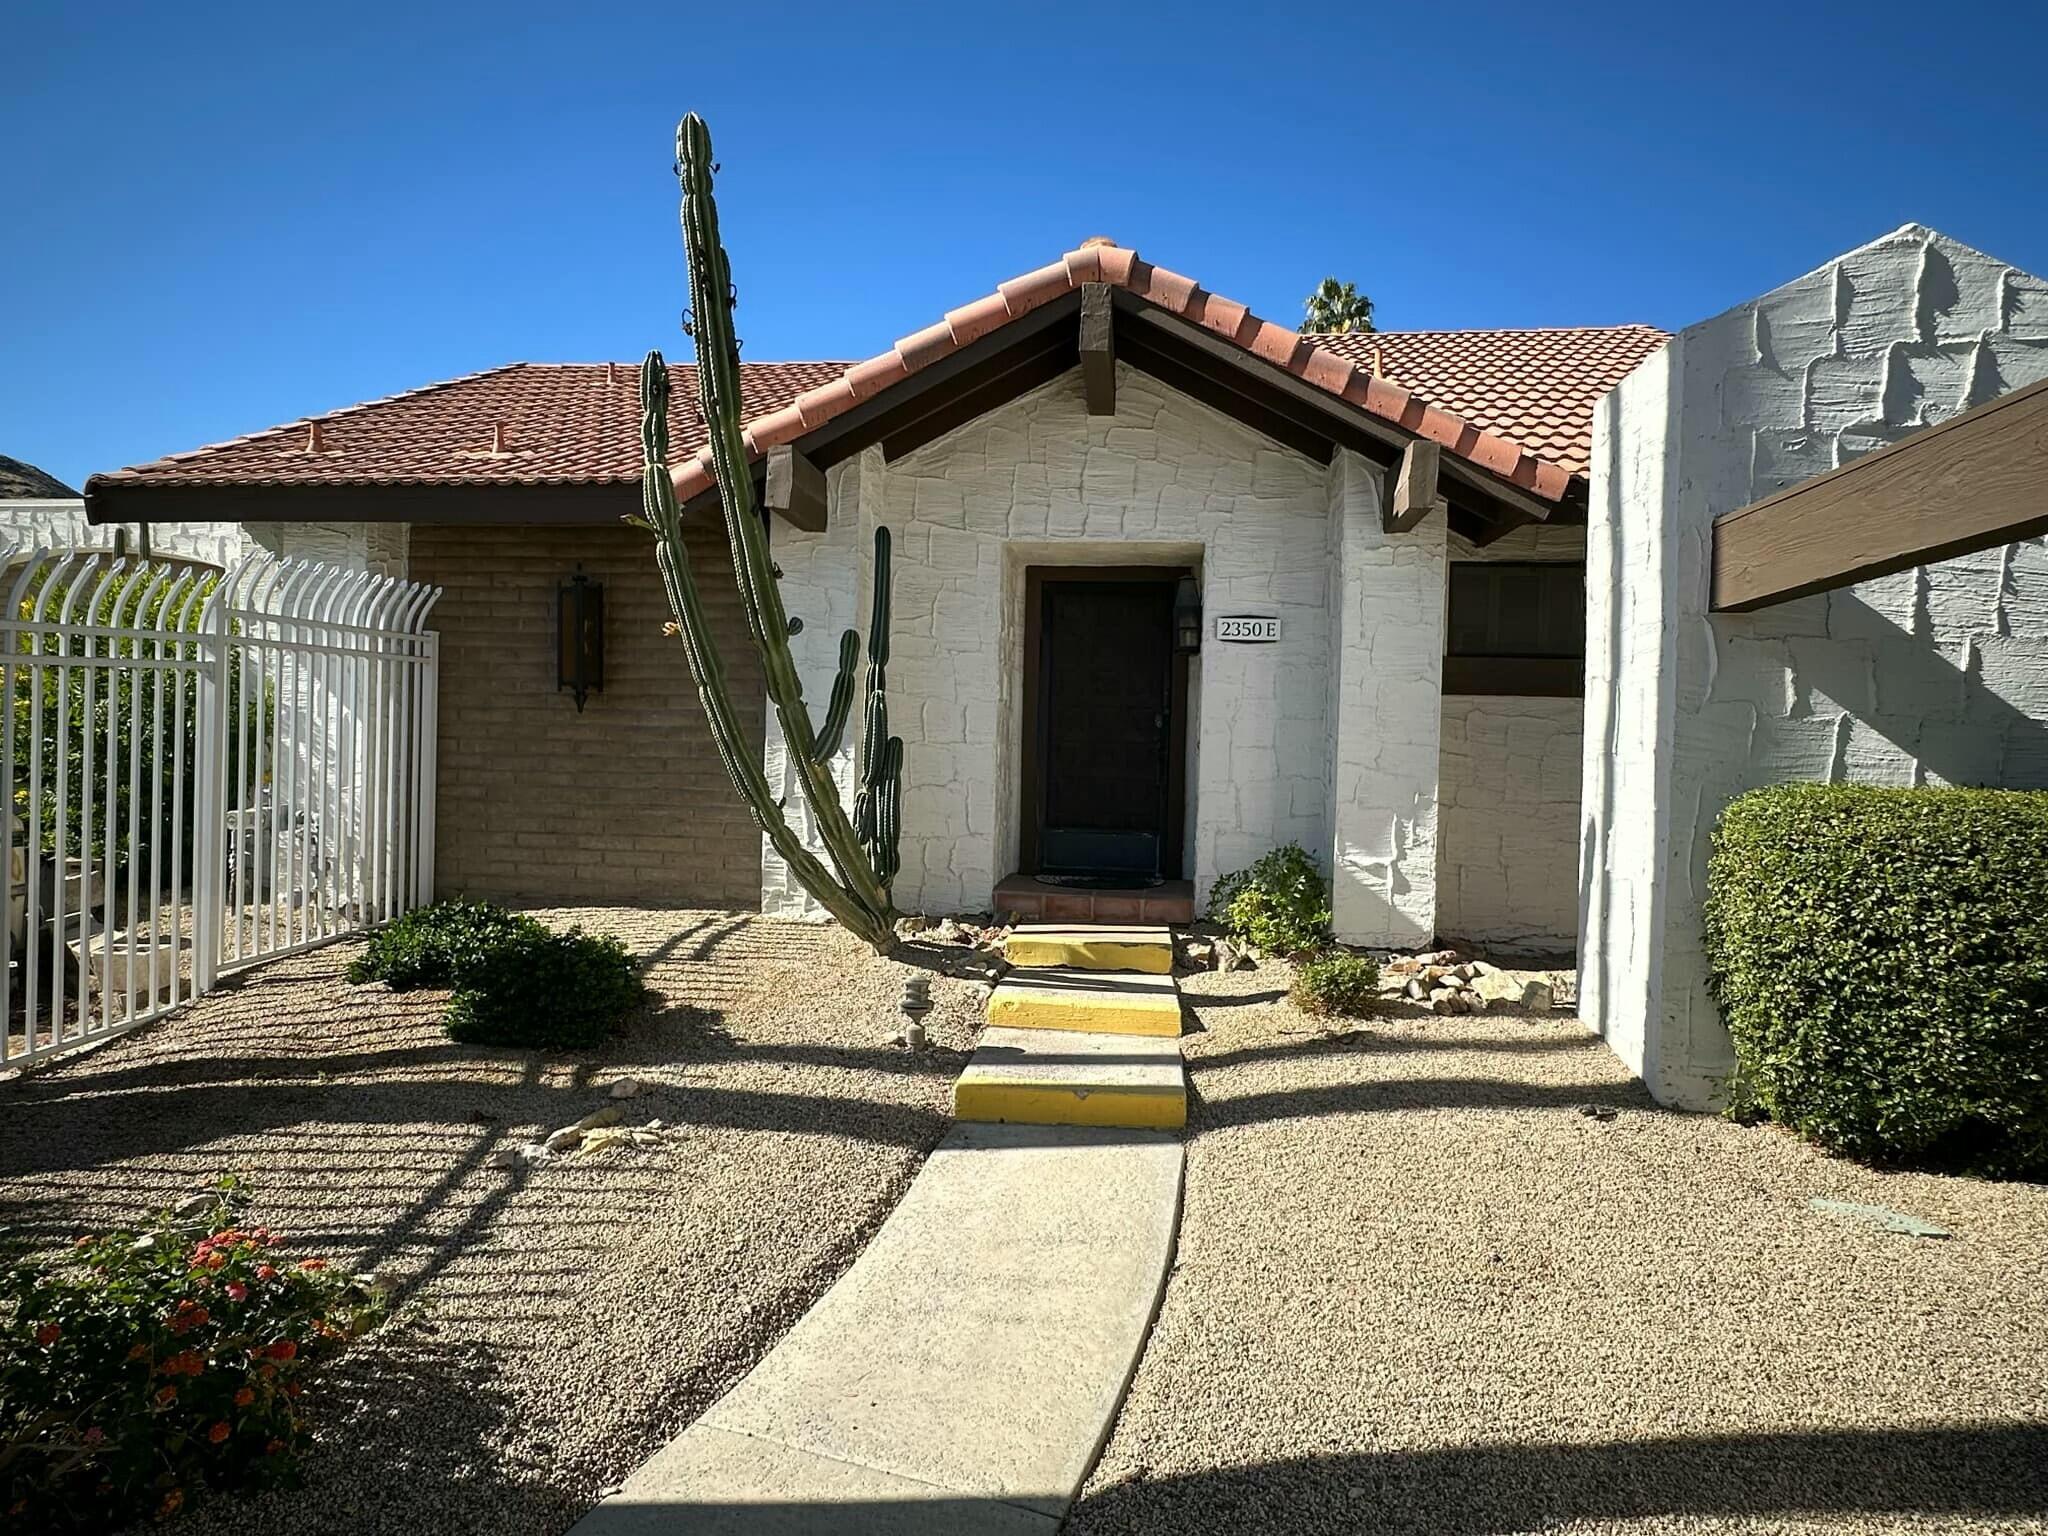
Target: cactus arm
878	810
711	297
841	704
742	764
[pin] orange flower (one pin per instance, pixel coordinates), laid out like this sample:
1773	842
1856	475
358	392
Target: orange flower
292	1389
310	1264
266	1272
187	1362
273	1448
173	1502
166	1396
188	1315
283	1349
219	1432
48	1334
245	1397
139	1352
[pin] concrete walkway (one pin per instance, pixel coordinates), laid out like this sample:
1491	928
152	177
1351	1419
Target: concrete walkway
963	1375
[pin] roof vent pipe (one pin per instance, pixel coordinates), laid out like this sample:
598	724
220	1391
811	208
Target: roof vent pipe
315	442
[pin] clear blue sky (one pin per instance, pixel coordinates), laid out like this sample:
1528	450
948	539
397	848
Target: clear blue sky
219	218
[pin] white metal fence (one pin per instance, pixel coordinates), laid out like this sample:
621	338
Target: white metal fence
202	770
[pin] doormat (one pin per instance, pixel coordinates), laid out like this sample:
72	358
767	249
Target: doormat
1101	882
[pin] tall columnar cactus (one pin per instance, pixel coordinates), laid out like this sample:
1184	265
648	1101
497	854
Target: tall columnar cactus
864	862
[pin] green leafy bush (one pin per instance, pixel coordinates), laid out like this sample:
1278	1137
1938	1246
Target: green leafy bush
1881	957
563	991
1338	983
1281	903
439	946
140	1370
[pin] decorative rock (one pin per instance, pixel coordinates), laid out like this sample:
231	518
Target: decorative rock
1507	989
1879	1216
1600	1112
570	1135
946	931
193	1205
1230	958
625	1088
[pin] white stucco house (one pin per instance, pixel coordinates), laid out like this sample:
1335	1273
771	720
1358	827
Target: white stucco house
1174	585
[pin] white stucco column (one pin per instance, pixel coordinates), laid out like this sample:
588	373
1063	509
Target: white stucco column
1386	714
1936	675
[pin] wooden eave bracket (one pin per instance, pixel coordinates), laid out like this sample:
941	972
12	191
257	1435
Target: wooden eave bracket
1098	350
795	489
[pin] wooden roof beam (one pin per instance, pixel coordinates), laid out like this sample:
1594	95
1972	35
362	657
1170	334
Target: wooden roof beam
1098	350
795	489
1975	481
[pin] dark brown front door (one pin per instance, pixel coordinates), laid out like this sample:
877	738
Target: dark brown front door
1106	706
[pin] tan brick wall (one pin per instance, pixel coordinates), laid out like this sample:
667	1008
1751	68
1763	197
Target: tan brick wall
626	802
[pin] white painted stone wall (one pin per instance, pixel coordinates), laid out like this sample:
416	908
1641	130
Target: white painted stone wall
1386	715
1938	675
1166	481
1508	827
63	522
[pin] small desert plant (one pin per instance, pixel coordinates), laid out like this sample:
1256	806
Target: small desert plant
438	946
558	991
1281	903
1338	983
1881	958
140	1370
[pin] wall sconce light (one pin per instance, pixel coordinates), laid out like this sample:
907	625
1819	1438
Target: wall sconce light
579	637
1187	616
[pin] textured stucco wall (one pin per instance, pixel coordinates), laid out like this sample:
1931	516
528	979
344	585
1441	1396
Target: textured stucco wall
1508	824
63	522
1166	481
1386	713
1937	675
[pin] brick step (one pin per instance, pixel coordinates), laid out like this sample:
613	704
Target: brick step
1061	1077
1090	948
1093	1002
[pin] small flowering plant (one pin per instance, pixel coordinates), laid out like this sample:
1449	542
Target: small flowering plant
142	1369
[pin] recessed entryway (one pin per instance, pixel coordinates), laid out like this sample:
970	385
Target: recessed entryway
1103	793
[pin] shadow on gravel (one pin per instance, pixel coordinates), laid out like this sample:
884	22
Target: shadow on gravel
1379	1096
1345	1042
1993	1471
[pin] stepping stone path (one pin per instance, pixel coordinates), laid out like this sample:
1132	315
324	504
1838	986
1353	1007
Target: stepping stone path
1085	1030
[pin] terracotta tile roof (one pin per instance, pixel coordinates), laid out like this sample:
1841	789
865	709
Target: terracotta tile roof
1325	367
1518	403
1536	387
522	424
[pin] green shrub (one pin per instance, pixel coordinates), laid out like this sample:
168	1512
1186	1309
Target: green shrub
439	946
140	1370
561	991
1281	903
1338	983
1881	957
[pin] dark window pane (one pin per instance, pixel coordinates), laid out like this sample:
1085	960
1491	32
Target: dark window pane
1516	608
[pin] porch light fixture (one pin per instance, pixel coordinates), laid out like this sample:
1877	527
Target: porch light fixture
579	637
1187	616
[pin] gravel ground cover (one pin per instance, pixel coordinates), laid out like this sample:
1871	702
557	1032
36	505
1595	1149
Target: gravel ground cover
557	1325
1421	1289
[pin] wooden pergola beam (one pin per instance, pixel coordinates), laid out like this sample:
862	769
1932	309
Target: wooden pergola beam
1098	350
1973	482
795	489
1414	495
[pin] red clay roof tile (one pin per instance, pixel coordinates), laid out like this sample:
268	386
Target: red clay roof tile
1518	403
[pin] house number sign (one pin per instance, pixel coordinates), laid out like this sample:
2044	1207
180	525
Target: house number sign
1248	628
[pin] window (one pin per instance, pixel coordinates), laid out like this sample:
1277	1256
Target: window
1516	627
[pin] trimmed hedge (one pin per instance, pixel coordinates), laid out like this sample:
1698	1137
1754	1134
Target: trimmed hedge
516	981
1881	958
438	946
559	991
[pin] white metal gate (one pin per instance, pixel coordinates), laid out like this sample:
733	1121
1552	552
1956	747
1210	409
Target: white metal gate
202	770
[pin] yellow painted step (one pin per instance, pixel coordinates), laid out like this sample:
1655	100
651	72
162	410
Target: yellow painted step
1089	948
1054	1077
1102	1002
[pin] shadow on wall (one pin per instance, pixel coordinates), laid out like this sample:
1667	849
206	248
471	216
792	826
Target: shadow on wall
1986	739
